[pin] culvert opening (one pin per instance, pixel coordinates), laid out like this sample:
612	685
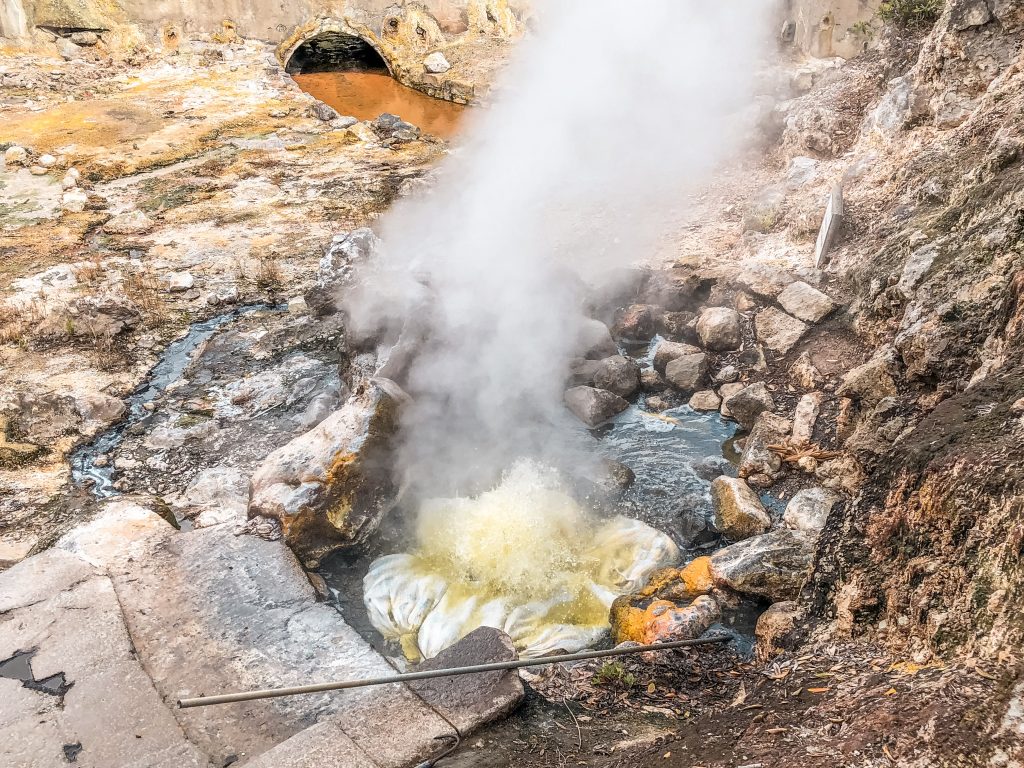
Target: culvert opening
347	73
335	52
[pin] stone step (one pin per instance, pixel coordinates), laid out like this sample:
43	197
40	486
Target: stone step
59	607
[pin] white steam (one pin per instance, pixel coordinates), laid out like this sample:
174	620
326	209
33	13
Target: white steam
609	115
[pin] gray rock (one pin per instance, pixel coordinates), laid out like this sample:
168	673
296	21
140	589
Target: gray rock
667	351
652	381
581	372
705	400
712	467
594	340
738	512
95	406
131	223
727	391
594	406
678	325
216	495
636	323
85	38
777	330
16	156
325	112
757	458
727	375
748	403
870	382
808	510
471	700
688	372
619	375
773	565
719	329
805	418
436	63
916	268
330	487
805	302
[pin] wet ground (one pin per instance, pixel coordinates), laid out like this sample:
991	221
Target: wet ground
367	95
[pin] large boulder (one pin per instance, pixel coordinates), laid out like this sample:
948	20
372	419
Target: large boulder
870	382
594	340
619	375
594	406
773	565
330	487
719	329
738	512
749	403
688	372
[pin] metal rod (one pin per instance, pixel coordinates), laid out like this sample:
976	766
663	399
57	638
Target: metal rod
272	693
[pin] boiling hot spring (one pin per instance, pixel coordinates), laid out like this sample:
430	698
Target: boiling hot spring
525	557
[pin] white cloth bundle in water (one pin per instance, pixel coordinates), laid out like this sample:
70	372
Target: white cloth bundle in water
548	595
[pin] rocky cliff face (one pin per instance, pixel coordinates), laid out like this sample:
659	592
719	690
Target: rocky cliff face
928	555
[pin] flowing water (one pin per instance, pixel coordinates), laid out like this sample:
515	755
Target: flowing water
367	95
88	469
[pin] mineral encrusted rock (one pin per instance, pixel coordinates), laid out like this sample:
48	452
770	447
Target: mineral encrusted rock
719	329
594	406
738	512
772	565
330	487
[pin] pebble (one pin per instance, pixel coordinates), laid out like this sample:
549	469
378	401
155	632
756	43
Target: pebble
37	170
47	161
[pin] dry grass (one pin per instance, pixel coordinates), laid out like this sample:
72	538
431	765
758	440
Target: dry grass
144	290
19	324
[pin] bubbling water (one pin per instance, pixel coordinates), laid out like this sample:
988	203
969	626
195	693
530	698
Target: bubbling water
524	557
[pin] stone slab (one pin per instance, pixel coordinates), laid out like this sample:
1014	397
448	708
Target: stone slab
111	708
211	613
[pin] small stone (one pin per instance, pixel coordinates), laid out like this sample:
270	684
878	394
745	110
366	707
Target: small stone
805	302
16	156
725	392
85	38
74	201
594	340
363	131
805	418
727	375
748	403
619	375
657	403
738	512
803	373
705	400
436	63
581	372
131	223
297	306
719	329
809	509
1017	409
176	282
47	161
594	406
808	464
324	112
652	381
678	325
757	457
37	170
96	406
777	330
68	182
667	351
870	382
774	626
686	373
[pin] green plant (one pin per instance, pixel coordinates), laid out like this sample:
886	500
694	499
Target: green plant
863	29
613	674
910	13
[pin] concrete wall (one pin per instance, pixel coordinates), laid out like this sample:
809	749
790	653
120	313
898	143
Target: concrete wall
271	20
827	28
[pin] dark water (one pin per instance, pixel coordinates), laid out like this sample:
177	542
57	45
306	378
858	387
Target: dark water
172	364
367	95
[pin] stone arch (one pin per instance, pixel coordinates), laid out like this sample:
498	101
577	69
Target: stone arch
332	45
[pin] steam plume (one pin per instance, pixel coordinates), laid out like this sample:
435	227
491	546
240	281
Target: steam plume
607	117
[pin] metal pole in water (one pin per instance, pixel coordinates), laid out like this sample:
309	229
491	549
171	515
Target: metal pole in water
273	693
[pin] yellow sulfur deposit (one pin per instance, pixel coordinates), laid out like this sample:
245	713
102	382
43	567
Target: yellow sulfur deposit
524	557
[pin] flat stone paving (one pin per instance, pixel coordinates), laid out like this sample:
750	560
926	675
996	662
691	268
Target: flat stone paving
138	615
